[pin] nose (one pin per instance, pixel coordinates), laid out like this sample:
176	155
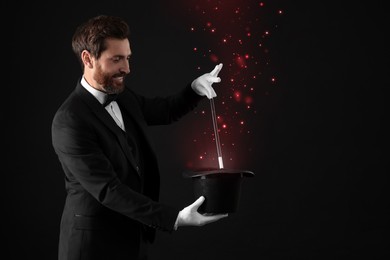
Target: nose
125	67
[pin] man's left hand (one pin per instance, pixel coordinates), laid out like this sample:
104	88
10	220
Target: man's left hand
202	85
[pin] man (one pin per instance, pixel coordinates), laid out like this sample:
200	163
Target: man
111	173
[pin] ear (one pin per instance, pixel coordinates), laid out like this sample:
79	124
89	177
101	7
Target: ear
86	57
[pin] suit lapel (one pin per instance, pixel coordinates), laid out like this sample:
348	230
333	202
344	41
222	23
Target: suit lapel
105	117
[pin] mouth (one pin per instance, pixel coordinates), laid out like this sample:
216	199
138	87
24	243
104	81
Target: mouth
118	79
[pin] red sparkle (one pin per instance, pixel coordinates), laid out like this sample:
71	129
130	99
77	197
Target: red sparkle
248	100
240	61
214	58
237	96
224	126
195	49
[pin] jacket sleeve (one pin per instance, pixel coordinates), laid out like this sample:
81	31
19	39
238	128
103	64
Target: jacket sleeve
165	110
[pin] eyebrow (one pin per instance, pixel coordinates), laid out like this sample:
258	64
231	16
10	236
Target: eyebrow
121	56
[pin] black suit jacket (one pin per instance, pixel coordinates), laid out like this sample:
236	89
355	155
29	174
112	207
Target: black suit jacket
112	203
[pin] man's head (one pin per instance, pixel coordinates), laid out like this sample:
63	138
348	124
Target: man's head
102	46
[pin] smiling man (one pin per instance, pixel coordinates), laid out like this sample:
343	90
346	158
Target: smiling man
112	178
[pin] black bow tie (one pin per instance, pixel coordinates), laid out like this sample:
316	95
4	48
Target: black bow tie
109	99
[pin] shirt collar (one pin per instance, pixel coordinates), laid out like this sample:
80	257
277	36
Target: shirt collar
99	95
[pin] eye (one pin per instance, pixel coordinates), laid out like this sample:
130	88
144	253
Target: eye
116	59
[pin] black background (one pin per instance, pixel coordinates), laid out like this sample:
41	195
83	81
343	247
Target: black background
321	186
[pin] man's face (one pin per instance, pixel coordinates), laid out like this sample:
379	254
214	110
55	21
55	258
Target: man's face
113	66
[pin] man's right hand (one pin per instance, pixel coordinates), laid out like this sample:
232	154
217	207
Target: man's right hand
189	216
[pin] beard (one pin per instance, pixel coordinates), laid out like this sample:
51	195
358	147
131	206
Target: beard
110	83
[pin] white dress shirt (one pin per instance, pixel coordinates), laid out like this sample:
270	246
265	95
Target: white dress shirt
112	108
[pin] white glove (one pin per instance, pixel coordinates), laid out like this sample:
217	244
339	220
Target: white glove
202	84
190	216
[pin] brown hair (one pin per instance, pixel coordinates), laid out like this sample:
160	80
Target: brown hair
92	34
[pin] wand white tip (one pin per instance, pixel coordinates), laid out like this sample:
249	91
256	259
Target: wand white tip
220	162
